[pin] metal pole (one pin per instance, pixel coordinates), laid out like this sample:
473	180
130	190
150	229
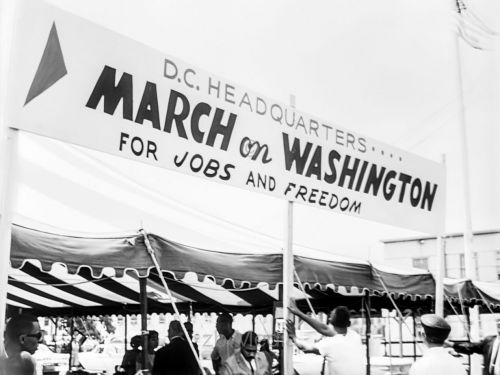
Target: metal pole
8	161
439	277
144	321
400	322
8	144
367	308
126	332
414	336
469	269
440	271
288	268
71	332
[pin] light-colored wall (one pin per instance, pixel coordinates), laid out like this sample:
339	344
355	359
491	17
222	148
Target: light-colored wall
484	247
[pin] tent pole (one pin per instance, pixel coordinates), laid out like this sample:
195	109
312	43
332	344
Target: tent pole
71	332
8	147
440	271
468	236
367	308
144	321
288	268
8	144
126	331
414	336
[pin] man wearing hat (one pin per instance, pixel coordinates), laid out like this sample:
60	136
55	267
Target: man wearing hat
342	348
436	360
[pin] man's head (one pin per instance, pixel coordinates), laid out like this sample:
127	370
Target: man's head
436	329
22	333
224	324
340	318
174	329
189	329
249	341
152	340
135	341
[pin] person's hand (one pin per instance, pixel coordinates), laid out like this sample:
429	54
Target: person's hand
292	307
447	344
290	328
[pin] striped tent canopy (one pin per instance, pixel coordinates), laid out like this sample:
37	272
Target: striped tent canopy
55	274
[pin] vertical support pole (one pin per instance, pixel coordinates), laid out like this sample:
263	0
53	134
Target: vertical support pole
400	323
469	269
71	333
125	320
439	302
367	308
438	308
144	321
8	144
8	161
288	268
414	336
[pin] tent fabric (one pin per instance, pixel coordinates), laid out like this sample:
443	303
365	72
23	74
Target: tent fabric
56	274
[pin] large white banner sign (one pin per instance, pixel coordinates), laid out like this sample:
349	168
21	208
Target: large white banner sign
78	82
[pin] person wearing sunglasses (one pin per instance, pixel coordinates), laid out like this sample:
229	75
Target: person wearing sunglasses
21	338
248	361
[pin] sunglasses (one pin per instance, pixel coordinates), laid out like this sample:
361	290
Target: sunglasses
37	335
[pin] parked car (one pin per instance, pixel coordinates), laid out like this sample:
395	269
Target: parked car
51	362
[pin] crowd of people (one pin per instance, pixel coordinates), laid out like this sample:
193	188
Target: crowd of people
239	354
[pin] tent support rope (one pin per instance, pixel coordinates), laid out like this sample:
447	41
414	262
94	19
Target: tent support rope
303	291
394	304
458	316
484	299
167	289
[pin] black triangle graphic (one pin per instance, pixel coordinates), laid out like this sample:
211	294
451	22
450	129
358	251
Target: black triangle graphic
51	68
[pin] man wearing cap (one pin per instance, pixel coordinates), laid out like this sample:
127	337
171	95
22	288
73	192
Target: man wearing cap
248	361
341	348
436	360
228	343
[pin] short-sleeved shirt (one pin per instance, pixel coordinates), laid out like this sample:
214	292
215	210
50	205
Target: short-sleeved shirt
437	361
224	348
344	354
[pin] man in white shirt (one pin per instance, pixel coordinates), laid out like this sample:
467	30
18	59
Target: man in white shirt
436	360
228	343
342	349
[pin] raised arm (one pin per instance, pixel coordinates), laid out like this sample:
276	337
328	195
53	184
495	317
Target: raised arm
322	328
302	345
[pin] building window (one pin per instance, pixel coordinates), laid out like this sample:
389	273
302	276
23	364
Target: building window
498	264
421	263
462	265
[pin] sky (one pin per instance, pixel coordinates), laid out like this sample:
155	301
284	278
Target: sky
385	69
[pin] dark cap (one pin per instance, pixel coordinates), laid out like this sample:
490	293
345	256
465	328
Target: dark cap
249	340
436	328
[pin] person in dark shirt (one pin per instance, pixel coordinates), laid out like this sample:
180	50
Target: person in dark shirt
130	357
189	329
175	358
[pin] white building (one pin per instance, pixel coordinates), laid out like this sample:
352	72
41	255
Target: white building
421	253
